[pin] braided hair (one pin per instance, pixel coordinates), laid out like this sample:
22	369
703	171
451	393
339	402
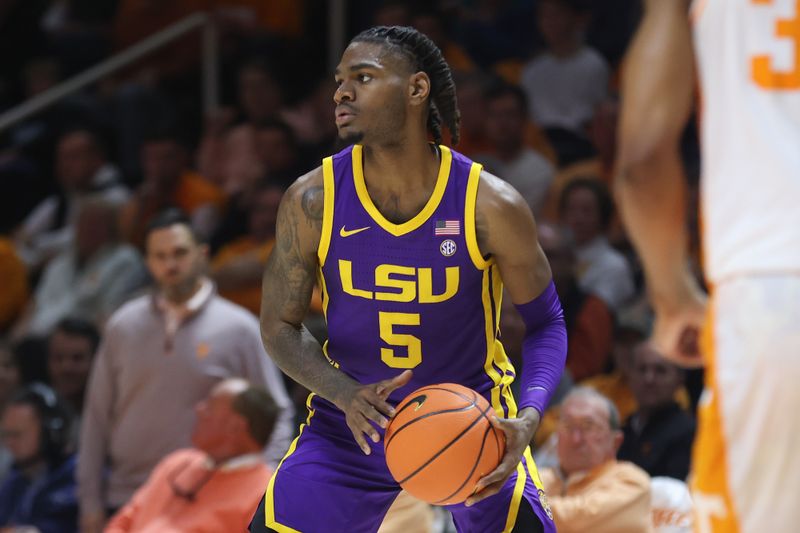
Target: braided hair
424	56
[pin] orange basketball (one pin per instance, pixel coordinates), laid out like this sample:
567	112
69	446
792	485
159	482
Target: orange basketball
441	442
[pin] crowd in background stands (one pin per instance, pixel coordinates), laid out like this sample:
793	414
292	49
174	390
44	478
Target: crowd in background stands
85	184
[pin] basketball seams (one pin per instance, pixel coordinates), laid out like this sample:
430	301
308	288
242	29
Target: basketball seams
417	461
424	417
446	447
473	403
478	458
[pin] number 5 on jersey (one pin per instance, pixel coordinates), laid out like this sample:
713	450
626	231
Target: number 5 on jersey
413	346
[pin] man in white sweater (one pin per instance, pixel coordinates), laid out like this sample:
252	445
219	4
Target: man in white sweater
161	354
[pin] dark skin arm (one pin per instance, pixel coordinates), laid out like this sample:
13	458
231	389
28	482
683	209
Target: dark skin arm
286	293
506	230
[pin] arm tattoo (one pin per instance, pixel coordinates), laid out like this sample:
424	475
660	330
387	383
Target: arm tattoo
288	282
289	278
313	205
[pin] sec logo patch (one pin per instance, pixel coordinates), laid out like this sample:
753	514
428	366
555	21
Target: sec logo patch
448	247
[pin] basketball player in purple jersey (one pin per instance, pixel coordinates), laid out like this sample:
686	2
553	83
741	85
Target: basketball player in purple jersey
411	244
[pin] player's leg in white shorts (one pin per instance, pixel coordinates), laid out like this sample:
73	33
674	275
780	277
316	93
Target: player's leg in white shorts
746	464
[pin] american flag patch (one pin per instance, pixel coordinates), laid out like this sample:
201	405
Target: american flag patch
447	227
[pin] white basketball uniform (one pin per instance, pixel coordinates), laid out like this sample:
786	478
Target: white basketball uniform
746	465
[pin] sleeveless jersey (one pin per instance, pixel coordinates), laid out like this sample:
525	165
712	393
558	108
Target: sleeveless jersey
748	54
415	295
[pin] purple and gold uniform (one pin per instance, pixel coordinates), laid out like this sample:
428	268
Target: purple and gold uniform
415	295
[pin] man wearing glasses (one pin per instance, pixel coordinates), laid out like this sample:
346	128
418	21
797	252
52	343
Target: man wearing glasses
591	490
215	485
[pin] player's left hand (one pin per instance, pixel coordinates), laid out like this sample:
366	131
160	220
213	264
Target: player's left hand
519	433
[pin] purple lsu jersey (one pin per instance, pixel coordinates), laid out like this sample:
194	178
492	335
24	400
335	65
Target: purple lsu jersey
415	295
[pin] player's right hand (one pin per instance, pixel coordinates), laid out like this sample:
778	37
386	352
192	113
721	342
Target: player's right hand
678	327
365	403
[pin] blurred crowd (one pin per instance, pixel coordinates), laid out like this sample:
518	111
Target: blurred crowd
134	230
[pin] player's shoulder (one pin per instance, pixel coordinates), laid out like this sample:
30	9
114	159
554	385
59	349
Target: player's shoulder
307	192
496	197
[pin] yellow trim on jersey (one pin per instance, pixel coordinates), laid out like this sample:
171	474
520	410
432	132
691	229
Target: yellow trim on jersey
533	470
269	498
497	291
327	210
421	217
470	234
495	352
323	289
490	347
516	498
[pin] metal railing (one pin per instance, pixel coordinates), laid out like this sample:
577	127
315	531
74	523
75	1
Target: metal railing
124	58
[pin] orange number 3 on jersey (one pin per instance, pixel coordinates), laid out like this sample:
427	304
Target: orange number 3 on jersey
763	72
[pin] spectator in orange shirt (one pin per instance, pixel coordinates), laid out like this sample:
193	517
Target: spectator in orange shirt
591	490
238	266
216	485
168	182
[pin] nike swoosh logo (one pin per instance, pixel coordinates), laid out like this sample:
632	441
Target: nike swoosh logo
346	233
415	402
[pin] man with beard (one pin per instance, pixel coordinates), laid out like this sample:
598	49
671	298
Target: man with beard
161	354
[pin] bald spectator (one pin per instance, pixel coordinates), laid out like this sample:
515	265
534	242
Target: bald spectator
591	490
161	354
89	280
217	483
586	208
82	171
524	168
659	435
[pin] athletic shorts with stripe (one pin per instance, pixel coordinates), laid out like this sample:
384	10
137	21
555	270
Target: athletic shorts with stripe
325	483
